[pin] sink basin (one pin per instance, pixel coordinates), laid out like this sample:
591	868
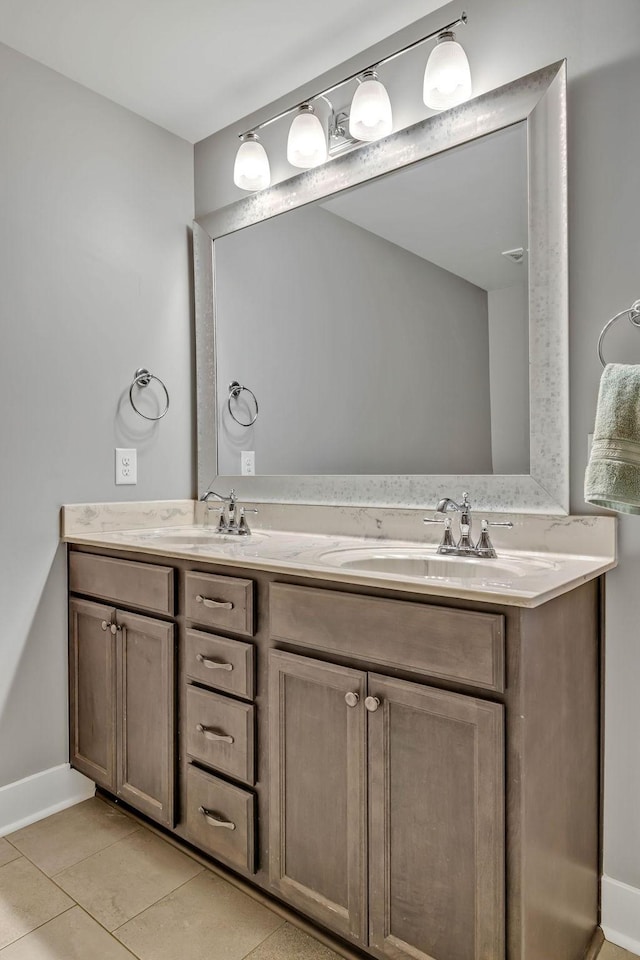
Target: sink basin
421	563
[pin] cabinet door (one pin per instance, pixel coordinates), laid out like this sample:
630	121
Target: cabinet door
318	790
92	691
436	829
146	715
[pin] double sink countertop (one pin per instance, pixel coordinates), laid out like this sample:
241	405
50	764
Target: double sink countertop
380	547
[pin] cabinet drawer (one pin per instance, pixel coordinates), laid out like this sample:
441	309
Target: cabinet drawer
220	663
219	733
125	582
457	645
222	602
221	819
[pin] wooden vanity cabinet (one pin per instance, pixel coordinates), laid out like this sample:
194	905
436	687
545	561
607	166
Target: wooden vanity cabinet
416	775
318	796
417	770
92	692
436	823
122	703
146	730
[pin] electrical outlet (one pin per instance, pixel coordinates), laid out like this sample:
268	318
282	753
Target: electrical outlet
247	463
126	466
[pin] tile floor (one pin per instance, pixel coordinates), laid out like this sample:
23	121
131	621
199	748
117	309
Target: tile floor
90	882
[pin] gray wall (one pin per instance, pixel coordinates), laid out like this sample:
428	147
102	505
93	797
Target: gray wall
365	358
94	282
509	378
602	44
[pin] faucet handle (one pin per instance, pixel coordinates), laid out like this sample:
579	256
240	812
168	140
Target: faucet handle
484	547
447	538
243	526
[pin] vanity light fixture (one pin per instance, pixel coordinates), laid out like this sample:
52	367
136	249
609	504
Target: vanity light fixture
447	76
447	82
370	116
251	170
307	142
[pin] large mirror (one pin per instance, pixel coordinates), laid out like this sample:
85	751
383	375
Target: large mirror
399	333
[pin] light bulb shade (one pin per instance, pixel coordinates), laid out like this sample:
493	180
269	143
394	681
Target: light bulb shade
251	170
370	117
307	143
447	77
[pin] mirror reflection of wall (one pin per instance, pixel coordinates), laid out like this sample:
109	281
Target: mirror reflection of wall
384	330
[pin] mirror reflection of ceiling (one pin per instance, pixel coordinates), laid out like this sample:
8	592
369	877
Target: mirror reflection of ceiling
473	207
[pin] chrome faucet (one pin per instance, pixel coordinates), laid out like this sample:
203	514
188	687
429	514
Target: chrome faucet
232	518
465	547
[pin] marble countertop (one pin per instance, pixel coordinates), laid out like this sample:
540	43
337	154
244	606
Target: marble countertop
525	578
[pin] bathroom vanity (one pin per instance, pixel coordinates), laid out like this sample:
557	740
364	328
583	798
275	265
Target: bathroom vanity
405	753
412	765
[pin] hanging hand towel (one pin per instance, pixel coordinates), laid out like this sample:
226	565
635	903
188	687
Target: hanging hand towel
613	473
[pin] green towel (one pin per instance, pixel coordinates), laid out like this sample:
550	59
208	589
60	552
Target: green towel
613	473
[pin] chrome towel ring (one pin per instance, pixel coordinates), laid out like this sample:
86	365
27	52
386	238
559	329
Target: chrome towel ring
235	389
142	378
633	312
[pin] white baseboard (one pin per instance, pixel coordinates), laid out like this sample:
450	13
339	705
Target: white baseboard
40	795
621	914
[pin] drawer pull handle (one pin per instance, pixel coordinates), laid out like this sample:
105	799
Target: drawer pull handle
372	704
215	604
214	820
212	664
210	734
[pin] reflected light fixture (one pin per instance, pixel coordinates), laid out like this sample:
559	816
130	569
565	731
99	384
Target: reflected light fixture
370	116
307	143
251	169
447	77
447	82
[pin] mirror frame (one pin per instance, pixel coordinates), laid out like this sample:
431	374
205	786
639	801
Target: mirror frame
540	99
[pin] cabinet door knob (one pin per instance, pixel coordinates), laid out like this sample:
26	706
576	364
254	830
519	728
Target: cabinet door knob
372	704
105	624
351	698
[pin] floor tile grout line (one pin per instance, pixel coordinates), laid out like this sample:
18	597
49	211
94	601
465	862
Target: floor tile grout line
155	902
39	926
76	903
112	932
109	933
95	853
52	877
262	942
138	828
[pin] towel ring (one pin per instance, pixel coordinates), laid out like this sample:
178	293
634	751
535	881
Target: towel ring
633	312
142	378
235	389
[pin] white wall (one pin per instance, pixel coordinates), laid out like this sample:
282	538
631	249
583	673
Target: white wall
317	316
95	205
601	41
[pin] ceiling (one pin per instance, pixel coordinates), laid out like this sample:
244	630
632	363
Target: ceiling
459	209
195	66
